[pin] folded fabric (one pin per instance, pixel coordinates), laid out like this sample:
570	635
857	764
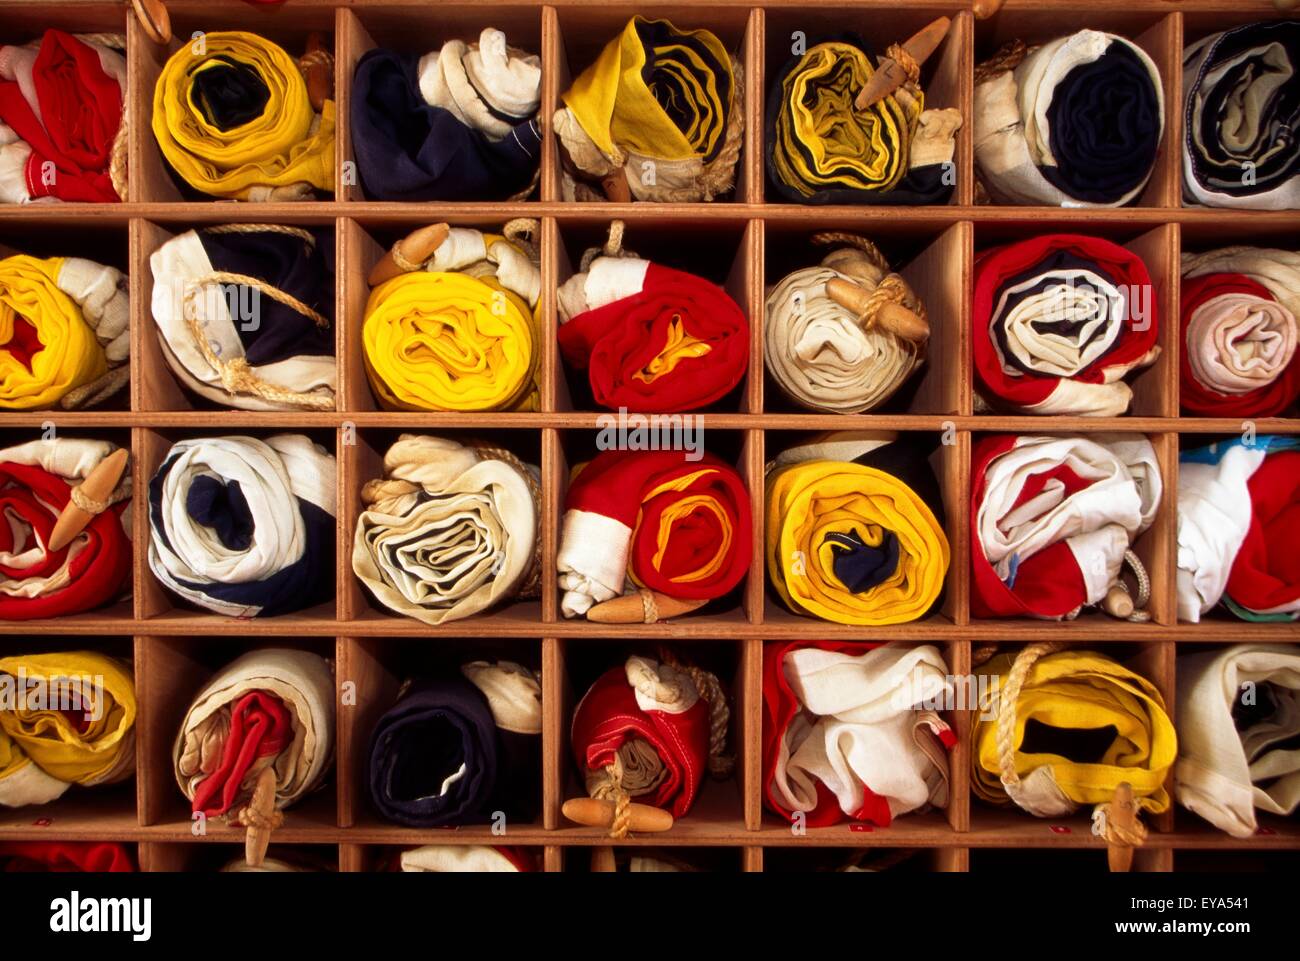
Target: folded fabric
271	707
852	732
651	338
1079	725
1060	320
65	718
232	117
449	530
1241	145
457	124
822	149
65	338
1238	720
98	857
268	866
61	103
643	729
36	483
855	530
244	315
1237	527
460	750
1239	307
467	859
1076	123
460	334
244	526
824	356
1053	518
673	525
661	110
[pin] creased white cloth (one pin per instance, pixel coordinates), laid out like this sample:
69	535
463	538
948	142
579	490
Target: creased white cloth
1225	773
467	251
457	859
513	692
477	82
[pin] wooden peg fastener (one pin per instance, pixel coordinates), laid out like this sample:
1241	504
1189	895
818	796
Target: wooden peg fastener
983	9
594	813
415	248
1123	828
644	607
615	187
890	75
318	71
95	489
260	818
154	20
894	318
1117	602
602	860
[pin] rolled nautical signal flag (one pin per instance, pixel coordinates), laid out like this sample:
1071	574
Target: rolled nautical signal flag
65	338
467	859
827	355
670	525
1060	321
1241	142
822	149
1080	724
244	315
852	732
1238	519
65	718
244	526
1238	718
270	708
459	123
449	530
1239	332
65	856
36	484
61	108
651	338
233	119
463	749
1075	122
658	116
460	332
855	530
1053	520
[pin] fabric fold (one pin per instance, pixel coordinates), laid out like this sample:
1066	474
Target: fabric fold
98	857
244	526
467	859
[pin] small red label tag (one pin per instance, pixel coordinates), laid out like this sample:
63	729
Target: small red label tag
1265	831
1060	829
43	822
857	827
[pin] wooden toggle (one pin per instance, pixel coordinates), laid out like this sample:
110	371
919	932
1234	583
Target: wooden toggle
890	74
96	488
594	813
983	9
602	860
260	818
1122	814
415	248
1117	602
644	607
616	189
154	20
318	71
894	318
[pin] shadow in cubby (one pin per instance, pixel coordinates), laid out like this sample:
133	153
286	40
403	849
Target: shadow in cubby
932	259
170	673
212	858
386	858
372	671
602	859
1283	863
158	603
794	860
721	252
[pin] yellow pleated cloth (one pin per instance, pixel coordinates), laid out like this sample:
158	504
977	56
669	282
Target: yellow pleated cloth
278	152
815	505
1083	724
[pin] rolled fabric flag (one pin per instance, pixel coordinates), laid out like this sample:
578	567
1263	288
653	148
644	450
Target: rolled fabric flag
1076	123
1083	724
461	334
268	866
98	857
1060	320
272	707
243	526
460	750
1053	518
852	732
36	482
232	117
1241	145
65	338
1237	522
467	859
674	525
61	105
65	718
1238	711
456	124
449	530
244	315
821	149
819	352
651	338
855	530
660	113
1239	324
